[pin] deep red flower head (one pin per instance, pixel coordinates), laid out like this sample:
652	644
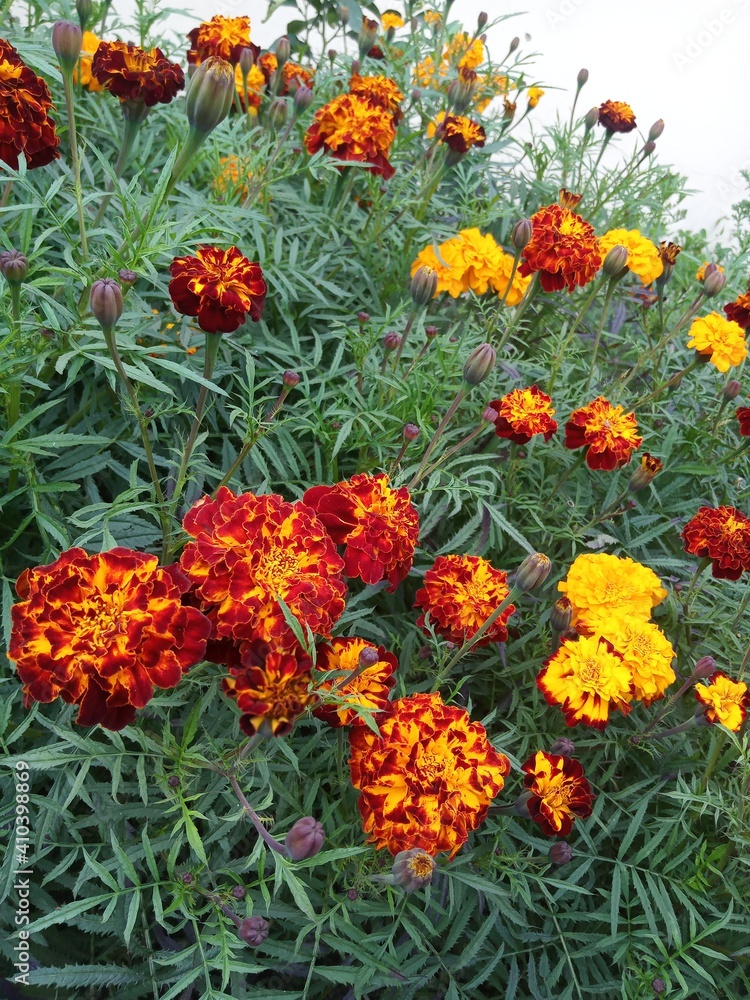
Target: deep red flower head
739	310
223	37
102	631
378	525
134	74
354	129
220	287
351	684
610	434
559	792
271	693
721	534
617	116
25	103
522	413
563	248
461	133
743	416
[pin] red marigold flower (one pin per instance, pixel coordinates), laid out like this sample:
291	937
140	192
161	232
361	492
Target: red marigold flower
294	76
568	199
133	74
726	701
378	525
25	103
428	779
218	286
271	694
354	129
616	116
522	413
223	37
460	593
461	133
610	434
380	91
559	792
739	311
563	248
251	550
352	685
743	416
669	253
102	631
721	534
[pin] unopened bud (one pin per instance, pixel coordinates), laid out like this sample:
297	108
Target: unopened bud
367	35
658	986
714	283
247	61
561	853
521	234
649	147
127	277
489	414
105	302
356	67
515	43
423	285
84	9
277	112
413	870
521	805
173	781
368	657
561	615
656	130
705	667
416	95
66	41
391	340
592	117
239	892
482	20
430	331
363	317
533	571
344	14
290	379
305	839
187	878
332	53
302	99
411	432
283	51
732	390
253	931
646	472
615	261
14	266
583	77
210	95
479	364
563	746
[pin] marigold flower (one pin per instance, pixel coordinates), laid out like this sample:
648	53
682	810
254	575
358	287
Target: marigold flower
647	471
460	593
643	255
249	551
255	84
432	17
218	286
610	434
378	525
616	116
425	72
354	129
133	74
669	252
82	73
102	631
380	91
559	792
499	281
563	248
461	133
465	52
588	678
25	103
271	697
232	176
739	311
522	413
534	94
721	534
391	19
428	779
743	416
223	37
726	701
568	199
295	76
646	650
600	586
351	684
721	339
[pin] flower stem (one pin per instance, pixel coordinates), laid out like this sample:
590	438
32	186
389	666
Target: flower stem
254	818
130	134
605	310
567	474
212	349
437	435
531	293
74	158
571	333
477	637
407	330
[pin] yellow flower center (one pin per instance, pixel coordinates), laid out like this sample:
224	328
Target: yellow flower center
101	618
139	61
422	866
276	566
591	675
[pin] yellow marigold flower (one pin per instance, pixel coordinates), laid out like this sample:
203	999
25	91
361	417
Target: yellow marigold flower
726	701
588	678
599	585
700	274
648	653
502	276
391	19
432	17
256	84
643	255
444	261
424	72
535	94
481	258
467	54
722	339
89	45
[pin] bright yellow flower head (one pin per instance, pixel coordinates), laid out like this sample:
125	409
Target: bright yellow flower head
502	276
588	678
424	72
467	54
391	19
726	700
648	653
432	126
643	255
722	339
446	264
599	585
534	95
467	261
432	17
89	45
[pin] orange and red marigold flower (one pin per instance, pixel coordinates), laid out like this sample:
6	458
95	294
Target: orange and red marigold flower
134	74
563	249
522	413
223	37
25	103
617	116
352	685
428	779
739	311
460	593
271	691
354	129
743	416
556	792
460	133
220	287
588	679
380	91
609	434
721	534
102	631
726	701
247	552
378	525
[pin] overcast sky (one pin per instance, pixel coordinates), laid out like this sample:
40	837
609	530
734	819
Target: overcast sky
681	60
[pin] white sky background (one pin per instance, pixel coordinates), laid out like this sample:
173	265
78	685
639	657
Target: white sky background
681	60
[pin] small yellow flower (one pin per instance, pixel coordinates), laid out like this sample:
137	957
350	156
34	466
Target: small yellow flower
643	255
726	700
720	338
391	19
534	95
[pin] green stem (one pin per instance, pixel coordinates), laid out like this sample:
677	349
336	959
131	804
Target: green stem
130	134
407	330
477	637
605	143
74	158
605	310
213	340
437	435
567	474
674	380
455	448
531	293
571	332
7	188
255	818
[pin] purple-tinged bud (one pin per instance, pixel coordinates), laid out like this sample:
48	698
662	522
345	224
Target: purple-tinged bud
416	95
563	746
515	43
561	853
489	415
47	333
411	432
368	657
356	67
521	234
704	667
344	14
521	805
714	283
732	390
253	931
283	51
423	285
656	130
615	261
290	379
127	277
66	41
561	615
592	117
533	571
105	302
391	340
649	147
332	53
14	266
303	98
659	986
413	870
173	781
84	9
247	61
187	878
239	892
430	331
482	20
277	112
479	364
305	839
583	78
363	317
425	652
352	895
210	95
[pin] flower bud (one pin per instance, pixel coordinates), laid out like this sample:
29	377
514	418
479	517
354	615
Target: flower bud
521	805
283	51
253	931
367	35
659	986
356	67
430	331
413	869
615	261
66	41
391	340
127	277
411	432
302	99
423	285
561	853
714	283
247	61
277	112
173	781
363	317
704	667
479	364
509	110
592	117
239	892
290	379
583	77
656	130
368	657
344	14
84	9
210	95
305	839
561	615
515	43
332	53
732	390
14	266
521	234
646	472
105	302
482	20
489	414
533	571
416	95
187	878
563	746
